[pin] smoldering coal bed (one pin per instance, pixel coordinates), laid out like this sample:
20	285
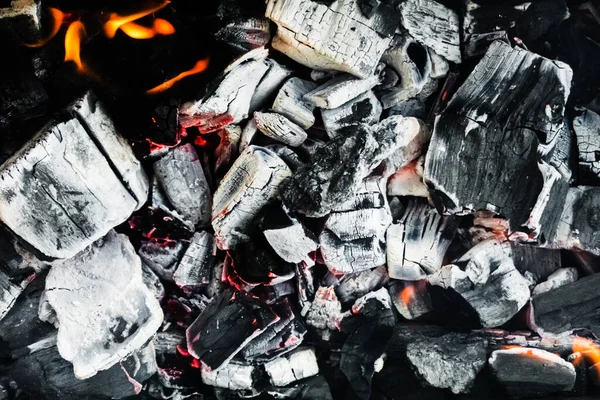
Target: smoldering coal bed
299	199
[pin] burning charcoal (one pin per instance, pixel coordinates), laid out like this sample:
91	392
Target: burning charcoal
23	18
232	320
292	367
116	317
339	90
353	286
290	102
531	372
152	282
232	376
467	132
325	312
329	36
251	184
418	243
365	109
280	128
534	262
229	102
451	361
289	156
194	268
559	278
562	156
433	25
246	35
489	283
411	299
269	85
338	167
369	329
257	263
315	387
569	307
578	226
288	237
408	180
182	179
227	150
587	130
162	259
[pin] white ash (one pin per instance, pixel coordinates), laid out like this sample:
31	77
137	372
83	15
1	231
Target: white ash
558	278
291	104
292	367
280	128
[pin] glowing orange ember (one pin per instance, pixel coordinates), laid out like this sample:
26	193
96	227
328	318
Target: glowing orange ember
163	27
73	44
407	294
588	349
57	20
116	21
137	31
196	69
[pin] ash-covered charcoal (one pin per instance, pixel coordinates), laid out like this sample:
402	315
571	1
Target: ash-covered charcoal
486	225
451	361
291	104
586	126
340	165
164	126
246	35
234	375
251	184
433	25
567	308
534	262
248	133
578	223
292	367
118	314
369	329
270	83
162	259
334	36
227	151
257	263
339	90
558	278
353	286
483	130
289	156
72	183
182	180
152	282
489	282
408	180
22	18
525	372
228	102
325	312
291	240
562	157
197	262
231	320
364	109
418	243
280	128
411	298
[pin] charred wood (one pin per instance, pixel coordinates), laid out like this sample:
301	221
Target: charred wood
353	286
22	18
339	90
197	262
280	128
291	104
408	180
246	35
411	298
365	109
558	278
227	150
292	367
269	85
291	240
587	132
578	224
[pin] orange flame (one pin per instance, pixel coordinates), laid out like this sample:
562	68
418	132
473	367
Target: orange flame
196	69
588	349
58	18
137	31
407	294
163	27
73	44
529	352
116	21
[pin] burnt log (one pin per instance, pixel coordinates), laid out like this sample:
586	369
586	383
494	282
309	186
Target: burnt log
498	130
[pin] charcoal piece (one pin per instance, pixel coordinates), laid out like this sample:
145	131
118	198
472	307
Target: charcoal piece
280	128
578	223
117	316
162	259
451	361
269	84
339	90
227	150
406	333
196	263
411	298
354	241
152	282
364	109
581	369
22	96
315	387
567	308
499	133
536	262
562	156
418	243
291	104
338	167
329	37
233	376
439	65
245	35
22	18
291	240
325	312
353	286
248	133
586	126
292	367
531	372
251	184
369	330
289	156
540	18
72	183
433	25
255	263
489	282
229	101
558	278
232	320
408	180
182	179
164	126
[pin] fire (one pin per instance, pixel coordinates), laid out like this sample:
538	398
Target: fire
116	21
73	44
407	294
58	18
199	141
163	27
588	349
199	67
136	31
